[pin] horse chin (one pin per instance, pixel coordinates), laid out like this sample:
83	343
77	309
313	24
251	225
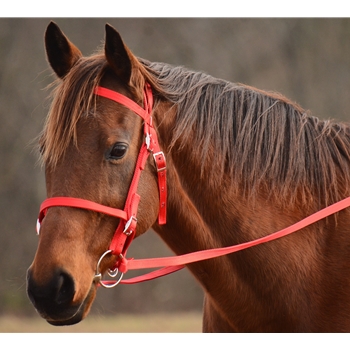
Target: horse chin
79	313
74	320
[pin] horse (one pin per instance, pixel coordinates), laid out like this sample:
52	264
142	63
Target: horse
241	163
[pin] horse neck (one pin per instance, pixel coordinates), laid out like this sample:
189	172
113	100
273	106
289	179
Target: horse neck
198	220
193	221
204	214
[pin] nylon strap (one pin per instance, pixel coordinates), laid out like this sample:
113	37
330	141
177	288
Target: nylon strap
175	263
79	203
123	100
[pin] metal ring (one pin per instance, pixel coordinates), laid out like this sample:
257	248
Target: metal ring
106	284
112	273
98	275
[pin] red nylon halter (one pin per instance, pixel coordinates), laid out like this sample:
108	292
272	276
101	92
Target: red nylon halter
126	229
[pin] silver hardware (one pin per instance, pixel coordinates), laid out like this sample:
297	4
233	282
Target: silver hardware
155	156
148	141
38	227
111	273
127	225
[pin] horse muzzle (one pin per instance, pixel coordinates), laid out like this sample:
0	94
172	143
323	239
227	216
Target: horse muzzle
54	300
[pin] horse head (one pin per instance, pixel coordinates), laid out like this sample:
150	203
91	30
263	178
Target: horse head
89	146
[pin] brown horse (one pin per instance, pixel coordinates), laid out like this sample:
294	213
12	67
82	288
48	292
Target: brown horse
241	164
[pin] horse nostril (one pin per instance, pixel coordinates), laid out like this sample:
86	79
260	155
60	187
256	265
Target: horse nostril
59	290
64	288
54	298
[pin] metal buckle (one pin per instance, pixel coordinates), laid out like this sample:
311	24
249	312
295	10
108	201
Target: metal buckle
155	159
127	225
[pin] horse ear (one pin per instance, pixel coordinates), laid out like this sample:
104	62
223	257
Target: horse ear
117	54
61	53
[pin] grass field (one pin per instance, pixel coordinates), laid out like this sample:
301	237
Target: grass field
153	323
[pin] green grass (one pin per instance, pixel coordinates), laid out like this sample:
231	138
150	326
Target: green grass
149	323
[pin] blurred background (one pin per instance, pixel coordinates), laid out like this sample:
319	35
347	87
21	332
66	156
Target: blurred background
308	60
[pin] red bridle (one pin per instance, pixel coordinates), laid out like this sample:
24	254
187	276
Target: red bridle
125	231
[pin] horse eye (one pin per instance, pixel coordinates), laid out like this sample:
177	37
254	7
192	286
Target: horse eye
118	151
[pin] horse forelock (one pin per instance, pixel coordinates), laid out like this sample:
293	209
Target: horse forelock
73	99
261	141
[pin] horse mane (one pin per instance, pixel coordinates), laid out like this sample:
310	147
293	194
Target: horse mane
261	140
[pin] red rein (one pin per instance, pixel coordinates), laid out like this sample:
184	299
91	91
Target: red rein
125	231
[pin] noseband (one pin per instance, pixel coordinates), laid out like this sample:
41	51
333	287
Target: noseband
126	229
